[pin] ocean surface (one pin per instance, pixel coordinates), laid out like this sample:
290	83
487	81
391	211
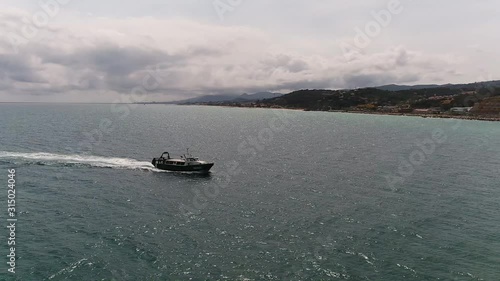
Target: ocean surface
293	195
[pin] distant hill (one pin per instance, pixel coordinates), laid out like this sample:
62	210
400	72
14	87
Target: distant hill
229	98
442	97
338	99
258	96
395	88
207	98
417	96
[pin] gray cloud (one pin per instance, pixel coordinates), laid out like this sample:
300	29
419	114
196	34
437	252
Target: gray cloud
15	68
106	57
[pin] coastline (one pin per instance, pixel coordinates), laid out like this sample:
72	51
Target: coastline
436	116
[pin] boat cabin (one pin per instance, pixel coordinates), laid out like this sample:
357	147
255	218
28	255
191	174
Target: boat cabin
170	161
185	162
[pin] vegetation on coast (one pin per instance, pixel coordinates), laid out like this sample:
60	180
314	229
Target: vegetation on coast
478	99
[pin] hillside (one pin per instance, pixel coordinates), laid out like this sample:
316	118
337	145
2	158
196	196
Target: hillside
453	99
394	87
489	106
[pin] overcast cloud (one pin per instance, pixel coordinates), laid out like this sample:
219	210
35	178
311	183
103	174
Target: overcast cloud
100	50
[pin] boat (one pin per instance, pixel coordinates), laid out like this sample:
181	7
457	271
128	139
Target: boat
184	163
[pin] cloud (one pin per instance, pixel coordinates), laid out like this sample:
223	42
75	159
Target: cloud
104	58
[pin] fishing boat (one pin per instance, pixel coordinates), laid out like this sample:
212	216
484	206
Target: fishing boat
184	163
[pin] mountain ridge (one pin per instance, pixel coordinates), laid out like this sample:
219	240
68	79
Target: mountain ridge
228	98
396	87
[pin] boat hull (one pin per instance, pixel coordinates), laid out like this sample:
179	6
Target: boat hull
203	168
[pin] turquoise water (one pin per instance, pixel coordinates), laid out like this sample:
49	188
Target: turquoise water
293	195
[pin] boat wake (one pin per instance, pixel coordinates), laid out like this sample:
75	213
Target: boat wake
42	158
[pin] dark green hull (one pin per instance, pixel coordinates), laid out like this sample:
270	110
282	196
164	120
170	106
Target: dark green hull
204	168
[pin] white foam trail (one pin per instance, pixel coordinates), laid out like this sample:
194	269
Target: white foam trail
94	161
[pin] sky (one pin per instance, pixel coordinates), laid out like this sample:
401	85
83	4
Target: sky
163	50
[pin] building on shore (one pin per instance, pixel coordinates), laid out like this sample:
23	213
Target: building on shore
387	108
432	110
422	111
460	110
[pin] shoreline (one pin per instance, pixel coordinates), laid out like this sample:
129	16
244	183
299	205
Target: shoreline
436	116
